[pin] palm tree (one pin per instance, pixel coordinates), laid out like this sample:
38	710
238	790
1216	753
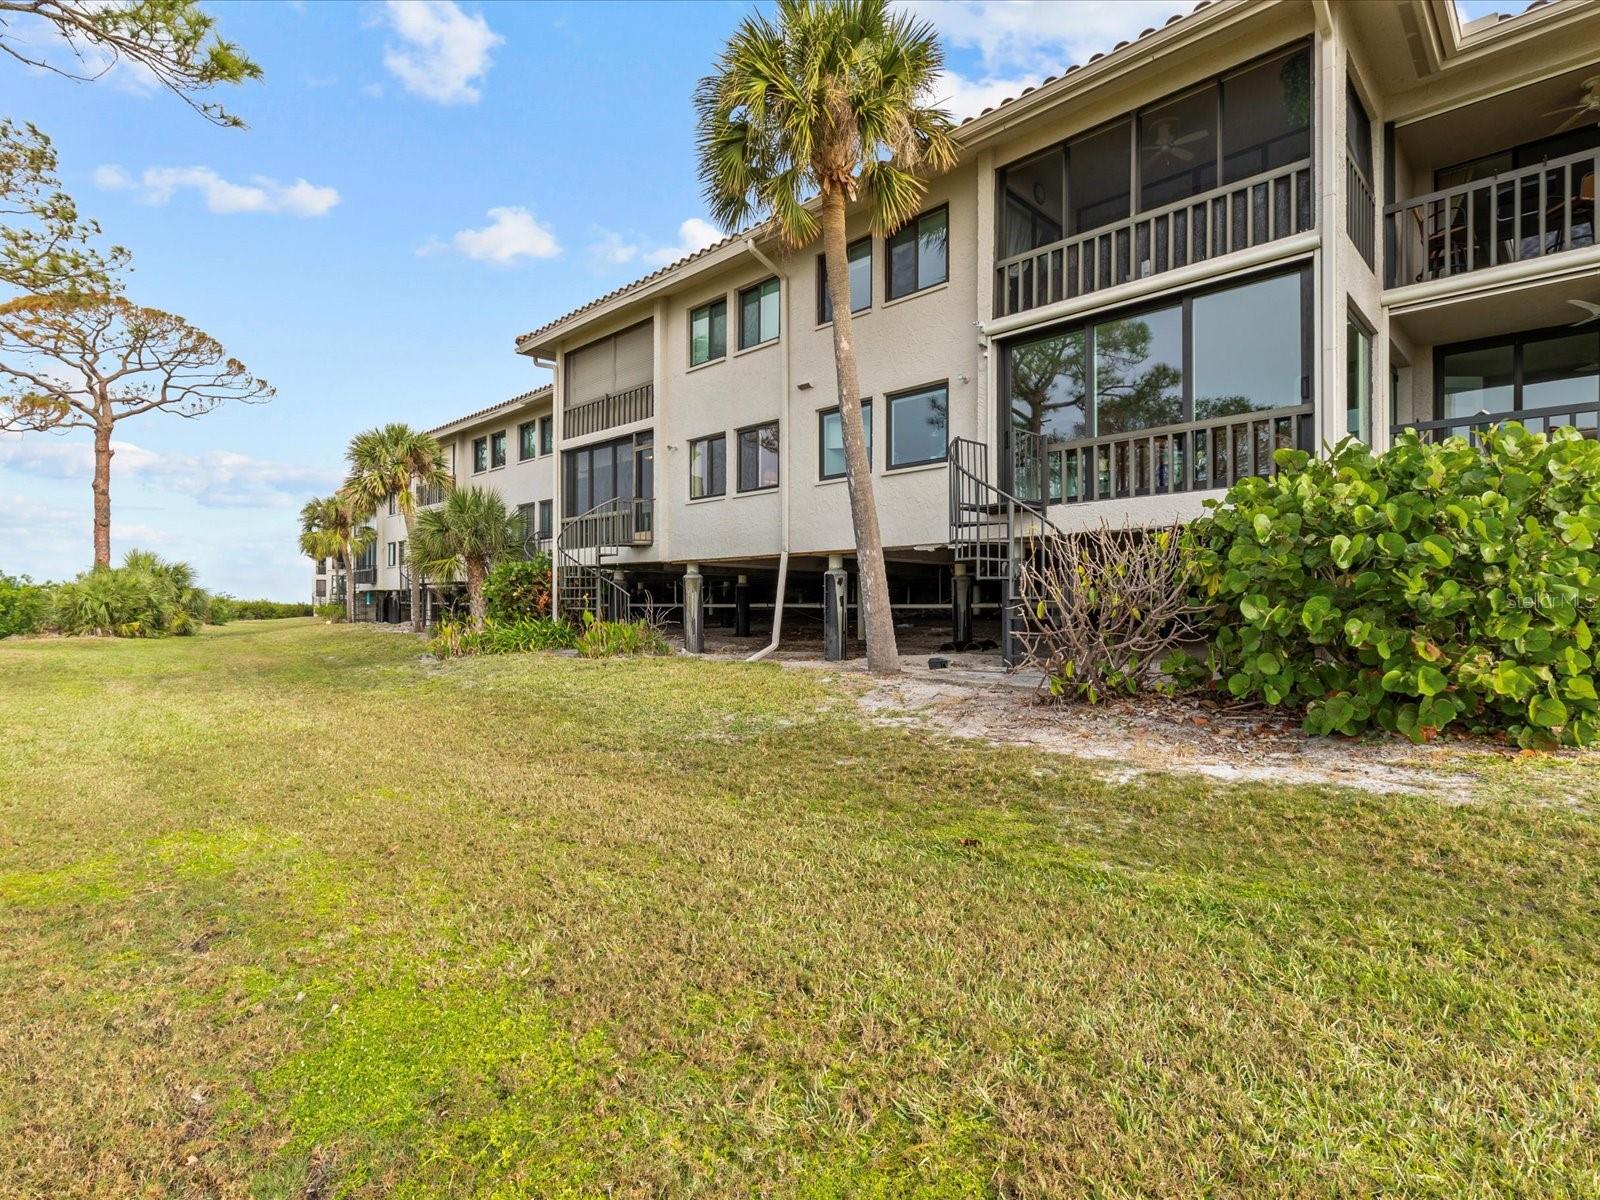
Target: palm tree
828	105
465	535
334	527
395	460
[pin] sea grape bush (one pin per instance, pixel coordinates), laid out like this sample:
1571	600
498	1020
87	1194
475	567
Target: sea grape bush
1433	586
519	589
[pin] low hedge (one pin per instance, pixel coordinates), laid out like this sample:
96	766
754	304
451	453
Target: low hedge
1429	587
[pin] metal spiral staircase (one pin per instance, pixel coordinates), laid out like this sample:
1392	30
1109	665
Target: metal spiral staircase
585	542
993	530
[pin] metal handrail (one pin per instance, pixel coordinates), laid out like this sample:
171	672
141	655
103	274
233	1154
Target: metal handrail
612	524
1482	419
610	410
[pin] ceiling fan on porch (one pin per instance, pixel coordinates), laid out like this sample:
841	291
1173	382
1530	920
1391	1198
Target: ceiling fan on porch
1167	142
1586	109
1592	309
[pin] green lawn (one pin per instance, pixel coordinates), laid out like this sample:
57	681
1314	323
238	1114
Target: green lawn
286	911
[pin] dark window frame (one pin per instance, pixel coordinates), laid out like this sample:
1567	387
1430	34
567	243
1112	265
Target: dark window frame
759	286
1517	341
710	358
822	445
826	318
707	440
629	445
547	434
889	398
547	518
738	437
1132	119
480	461
527	440
913	228
498	443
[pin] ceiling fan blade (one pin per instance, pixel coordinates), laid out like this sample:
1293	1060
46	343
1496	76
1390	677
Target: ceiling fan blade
1577	117
1179	153
1197	136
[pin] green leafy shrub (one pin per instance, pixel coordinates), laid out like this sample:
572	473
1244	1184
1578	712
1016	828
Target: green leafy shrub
1432	586
23	605
518	589
610	639
231	608
453	637
145	597
333	610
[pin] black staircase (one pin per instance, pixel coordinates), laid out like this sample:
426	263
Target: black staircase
585	542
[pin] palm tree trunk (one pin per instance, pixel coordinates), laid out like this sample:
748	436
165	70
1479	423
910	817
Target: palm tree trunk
477	606
883	656
102	494
349	585
416	580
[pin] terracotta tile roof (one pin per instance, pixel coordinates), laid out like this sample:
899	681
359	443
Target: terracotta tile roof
504	405
689	258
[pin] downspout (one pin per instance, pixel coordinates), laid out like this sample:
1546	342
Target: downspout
785	472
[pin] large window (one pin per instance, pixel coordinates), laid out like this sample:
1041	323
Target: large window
597	474
547	435
919	426
859	259
527	440
497	449
919	254
758	314
480	454
1239	349
1357	381
708	466
830	440
1236	126
708	332
758	457
1544	369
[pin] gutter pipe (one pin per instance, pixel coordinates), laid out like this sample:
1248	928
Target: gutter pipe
783	475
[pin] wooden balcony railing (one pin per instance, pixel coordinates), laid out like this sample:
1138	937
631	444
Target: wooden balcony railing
609	411
1360	211
368	575
1260	209
1586	416
1516	215
1191	457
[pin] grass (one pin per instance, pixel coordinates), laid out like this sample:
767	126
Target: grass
287	912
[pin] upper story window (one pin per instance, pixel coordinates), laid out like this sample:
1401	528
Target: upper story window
859	258
708	466
708	332
758	314
919	254
497	449
830	440
758	457
919	422
1178	148
480	454
527	440
547	435
391	504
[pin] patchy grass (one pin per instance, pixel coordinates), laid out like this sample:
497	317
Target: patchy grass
285	911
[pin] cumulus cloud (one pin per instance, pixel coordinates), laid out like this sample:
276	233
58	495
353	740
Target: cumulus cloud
213	479
1021	42
512	235
158	185
614	249
442	53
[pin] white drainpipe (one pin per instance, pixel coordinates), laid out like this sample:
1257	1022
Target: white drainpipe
784	473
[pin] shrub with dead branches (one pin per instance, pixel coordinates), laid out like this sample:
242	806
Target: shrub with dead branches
1103	609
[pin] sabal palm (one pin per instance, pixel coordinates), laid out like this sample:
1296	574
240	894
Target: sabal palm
394	460
334	527
465	535
828	104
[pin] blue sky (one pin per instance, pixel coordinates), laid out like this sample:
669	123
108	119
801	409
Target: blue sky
419	183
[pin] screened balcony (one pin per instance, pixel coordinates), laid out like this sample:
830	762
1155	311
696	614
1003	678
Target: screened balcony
1217	169
609	383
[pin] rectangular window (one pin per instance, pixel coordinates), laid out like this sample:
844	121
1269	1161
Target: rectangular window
1138	371
919	426
859	259
1358	132
758	314
1049	386
547	435
480	454
497	449
528	514
391	504
1178	148
527	440
830	440
708	332
919	254
1247	351
1033	203
1099	171
392	548
1357	381
758	457
1523	374
708	466
597	474
547	518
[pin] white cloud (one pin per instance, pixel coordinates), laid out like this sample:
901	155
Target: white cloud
512	234
443	53
158	185
214	479
1021	42
614	249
